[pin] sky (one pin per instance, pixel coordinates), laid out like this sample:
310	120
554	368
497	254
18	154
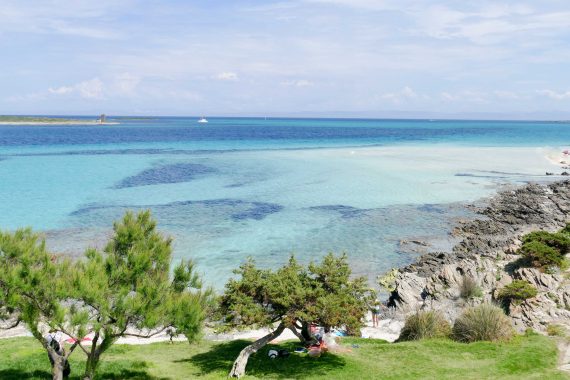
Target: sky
400	58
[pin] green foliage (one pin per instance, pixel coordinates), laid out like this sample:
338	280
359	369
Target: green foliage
517	291
544	249
388	280
541	255
559	241
469	288
32	283
425	325
566	229
125	290
321	293
485	322
555	330
128	287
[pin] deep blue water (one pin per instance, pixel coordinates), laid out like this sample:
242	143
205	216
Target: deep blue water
243	133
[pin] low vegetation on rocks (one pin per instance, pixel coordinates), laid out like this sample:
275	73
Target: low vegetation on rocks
485	322
469	288
554	329
424	325
542	249
517	291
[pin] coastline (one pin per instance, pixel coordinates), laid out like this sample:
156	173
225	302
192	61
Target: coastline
485	252
38	123
485	243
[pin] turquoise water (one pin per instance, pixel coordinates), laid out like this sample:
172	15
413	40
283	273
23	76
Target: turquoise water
239	187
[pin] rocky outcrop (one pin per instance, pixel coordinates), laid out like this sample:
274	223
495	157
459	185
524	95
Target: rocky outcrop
485	256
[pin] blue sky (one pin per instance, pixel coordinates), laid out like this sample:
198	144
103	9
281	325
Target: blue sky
297	57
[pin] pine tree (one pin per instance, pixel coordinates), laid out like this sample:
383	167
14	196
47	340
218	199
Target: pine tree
293	297
32	291
126	290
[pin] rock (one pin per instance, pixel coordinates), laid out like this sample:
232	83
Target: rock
541	281
486	253
408	293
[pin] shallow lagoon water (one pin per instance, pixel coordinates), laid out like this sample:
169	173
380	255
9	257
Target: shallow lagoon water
266	188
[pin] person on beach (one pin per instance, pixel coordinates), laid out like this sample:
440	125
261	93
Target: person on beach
375	313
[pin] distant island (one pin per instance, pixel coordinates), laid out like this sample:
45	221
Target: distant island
45	120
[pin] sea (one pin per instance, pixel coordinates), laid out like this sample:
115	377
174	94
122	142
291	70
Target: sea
381	191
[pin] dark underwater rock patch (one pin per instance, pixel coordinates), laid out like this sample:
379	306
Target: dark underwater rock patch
172	173
344	211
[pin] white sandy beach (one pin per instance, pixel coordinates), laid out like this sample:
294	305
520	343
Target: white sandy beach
388	329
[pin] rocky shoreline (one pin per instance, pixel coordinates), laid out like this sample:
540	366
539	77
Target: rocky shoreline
486	253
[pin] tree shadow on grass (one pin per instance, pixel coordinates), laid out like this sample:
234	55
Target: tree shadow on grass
19	374
222	356
129	374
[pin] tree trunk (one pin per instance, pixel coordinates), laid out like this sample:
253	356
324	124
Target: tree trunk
58	364
91	365
298	334
238	369
309	339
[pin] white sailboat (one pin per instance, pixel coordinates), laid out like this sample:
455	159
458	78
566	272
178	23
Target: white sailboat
203	120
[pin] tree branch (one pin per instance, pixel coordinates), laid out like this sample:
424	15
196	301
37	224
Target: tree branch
150	335
14	324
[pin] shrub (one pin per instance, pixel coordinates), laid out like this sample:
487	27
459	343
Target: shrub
517	291
469	288
558	241
388	280
541	255
555	330
566	229
484	322
423	325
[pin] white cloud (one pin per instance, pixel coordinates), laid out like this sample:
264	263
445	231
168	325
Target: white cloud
57	17
447	96
227	75
60	90
488	24
554	95
405	93
506	95
90	89
465	96
126	83
298	83
362	4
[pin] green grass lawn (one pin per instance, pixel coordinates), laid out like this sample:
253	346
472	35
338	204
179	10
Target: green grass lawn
526	357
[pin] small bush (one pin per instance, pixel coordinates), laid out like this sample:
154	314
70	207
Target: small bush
558	241
517	291
555	330
484	322
423	325
566	229
541	255
469	288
